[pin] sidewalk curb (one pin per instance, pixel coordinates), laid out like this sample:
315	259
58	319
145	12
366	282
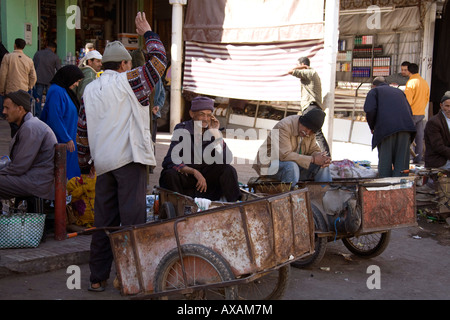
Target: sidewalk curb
48	256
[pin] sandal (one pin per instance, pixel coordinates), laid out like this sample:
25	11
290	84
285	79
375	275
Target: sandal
100	288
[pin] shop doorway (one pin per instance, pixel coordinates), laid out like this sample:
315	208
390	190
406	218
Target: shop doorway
441	65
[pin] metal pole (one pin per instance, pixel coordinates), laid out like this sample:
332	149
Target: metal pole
176	65
427	49
331	38
60	191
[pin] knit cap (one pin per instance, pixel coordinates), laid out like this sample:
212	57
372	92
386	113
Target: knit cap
313	120
116	52
21	98
202	103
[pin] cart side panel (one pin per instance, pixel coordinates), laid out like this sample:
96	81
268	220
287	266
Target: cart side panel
125	262
151	243
224	233
282	229
384	208
260	229
302	223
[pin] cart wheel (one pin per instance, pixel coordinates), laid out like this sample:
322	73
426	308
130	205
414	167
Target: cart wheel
320	243
270	286
368	245
167	211
202	266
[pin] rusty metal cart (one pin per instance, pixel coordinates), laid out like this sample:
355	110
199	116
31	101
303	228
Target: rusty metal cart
230	251
361	212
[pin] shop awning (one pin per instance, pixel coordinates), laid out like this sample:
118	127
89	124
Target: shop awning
243	49
253	21
248	72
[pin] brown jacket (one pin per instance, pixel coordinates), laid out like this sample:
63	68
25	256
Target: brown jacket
287	141
16	72
437	141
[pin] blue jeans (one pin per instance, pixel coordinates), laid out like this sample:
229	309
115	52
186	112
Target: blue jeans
38	92
291	172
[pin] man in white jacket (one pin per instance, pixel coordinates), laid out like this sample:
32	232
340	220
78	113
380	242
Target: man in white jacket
120	146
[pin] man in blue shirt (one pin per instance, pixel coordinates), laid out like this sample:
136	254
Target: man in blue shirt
46	63
389	117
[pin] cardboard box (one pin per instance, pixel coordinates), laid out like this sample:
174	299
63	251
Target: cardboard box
129	40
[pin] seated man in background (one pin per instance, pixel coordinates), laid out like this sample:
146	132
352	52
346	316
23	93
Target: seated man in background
32	150
198	161
291	154
437	137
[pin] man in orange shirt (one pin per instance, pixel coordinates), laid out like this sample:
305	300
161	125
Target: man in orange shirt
418	94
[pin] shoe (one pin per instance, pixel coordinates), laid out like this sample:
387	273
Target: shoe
101	288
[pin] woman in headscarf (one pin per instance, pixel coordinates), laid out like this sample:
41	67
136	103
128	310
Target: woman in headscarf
61	113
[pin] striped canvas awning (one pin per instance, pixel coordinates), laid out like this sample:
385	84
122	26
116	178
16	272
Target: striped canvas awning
248	71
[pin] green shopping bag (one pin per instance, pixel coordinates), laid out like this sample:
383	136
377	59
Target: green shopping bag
19	230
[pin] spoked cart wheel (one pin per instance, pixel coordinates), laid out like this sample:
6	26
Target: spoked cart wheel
202	267
368	245
320	243
270	286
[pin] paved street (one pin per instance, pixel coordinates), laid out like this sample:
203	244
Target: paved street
413	267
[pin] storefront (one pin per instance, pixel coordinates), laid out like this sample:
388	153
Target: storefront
19	19
71	23
374	41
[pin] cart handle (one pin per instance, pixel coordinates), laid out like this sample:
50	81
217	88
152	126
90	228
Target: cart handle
91	230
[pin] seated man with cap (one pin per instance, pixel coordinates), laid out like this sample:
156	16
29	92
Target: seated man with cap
291	154
437	137
32	150
198	161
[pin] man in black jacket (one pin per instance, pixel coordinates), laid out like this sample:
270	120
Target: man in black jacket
437	137
389	117
198	161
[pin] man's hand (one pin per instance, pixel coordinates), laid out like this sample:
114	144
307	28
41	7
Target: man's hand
142	25
321	159
201	181
215	124
70	146
92	173
155	110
